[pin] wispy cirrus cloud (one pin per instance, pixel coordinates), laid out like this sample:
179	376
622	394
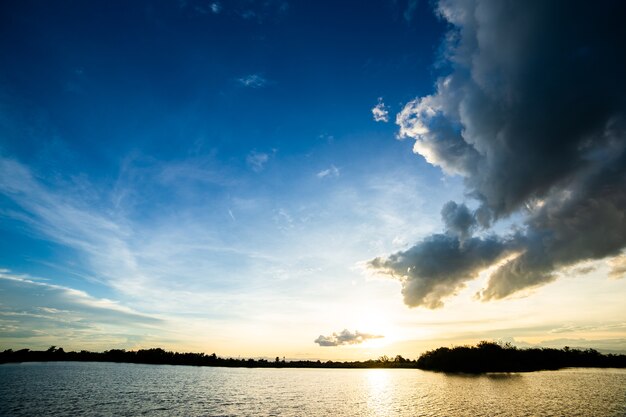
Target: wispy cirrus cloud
56	299
174	259
257	160
38	314
345	337
132	257
253	81
157	241
409	12
64	219
331	172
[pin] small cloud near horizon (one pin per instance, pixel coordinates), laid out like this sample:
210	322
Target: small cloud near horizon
345	337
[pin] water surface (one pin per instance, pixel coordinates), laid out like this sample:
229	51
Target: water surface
111	389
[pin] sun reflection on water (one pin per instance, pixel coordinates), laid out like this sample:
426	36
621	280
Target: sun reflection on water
380	392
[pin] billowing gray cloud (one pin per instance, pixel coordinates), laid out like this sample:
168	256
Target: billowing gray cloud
345	337
532	114
458	219
439	266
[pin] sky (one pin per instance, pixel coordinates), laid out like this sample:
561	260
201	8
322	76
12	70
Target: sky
313	180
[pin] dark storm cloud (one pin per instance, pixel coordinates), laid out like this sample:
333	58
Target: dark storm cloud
344	337
585	221
533	116
458	219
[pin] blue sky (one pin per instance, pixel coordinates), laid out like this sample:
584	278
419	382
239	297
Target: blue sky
210	176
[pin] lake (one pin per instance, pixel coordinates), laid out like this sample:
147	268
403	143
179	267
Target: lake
112	389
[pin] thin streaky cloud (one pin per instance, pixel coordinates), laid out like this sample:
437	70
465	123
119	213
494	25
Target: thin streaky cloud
409	12
331	172
63	299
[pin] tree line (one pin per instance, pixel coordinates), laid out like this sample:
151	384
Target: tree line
496	357
484	357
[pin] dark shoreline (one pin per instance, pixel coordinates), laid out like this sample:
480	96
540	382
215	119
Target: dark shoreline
482	358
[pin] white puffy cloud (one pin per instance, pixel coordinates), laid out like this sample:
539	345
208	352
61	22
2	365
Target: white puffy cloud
380	111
